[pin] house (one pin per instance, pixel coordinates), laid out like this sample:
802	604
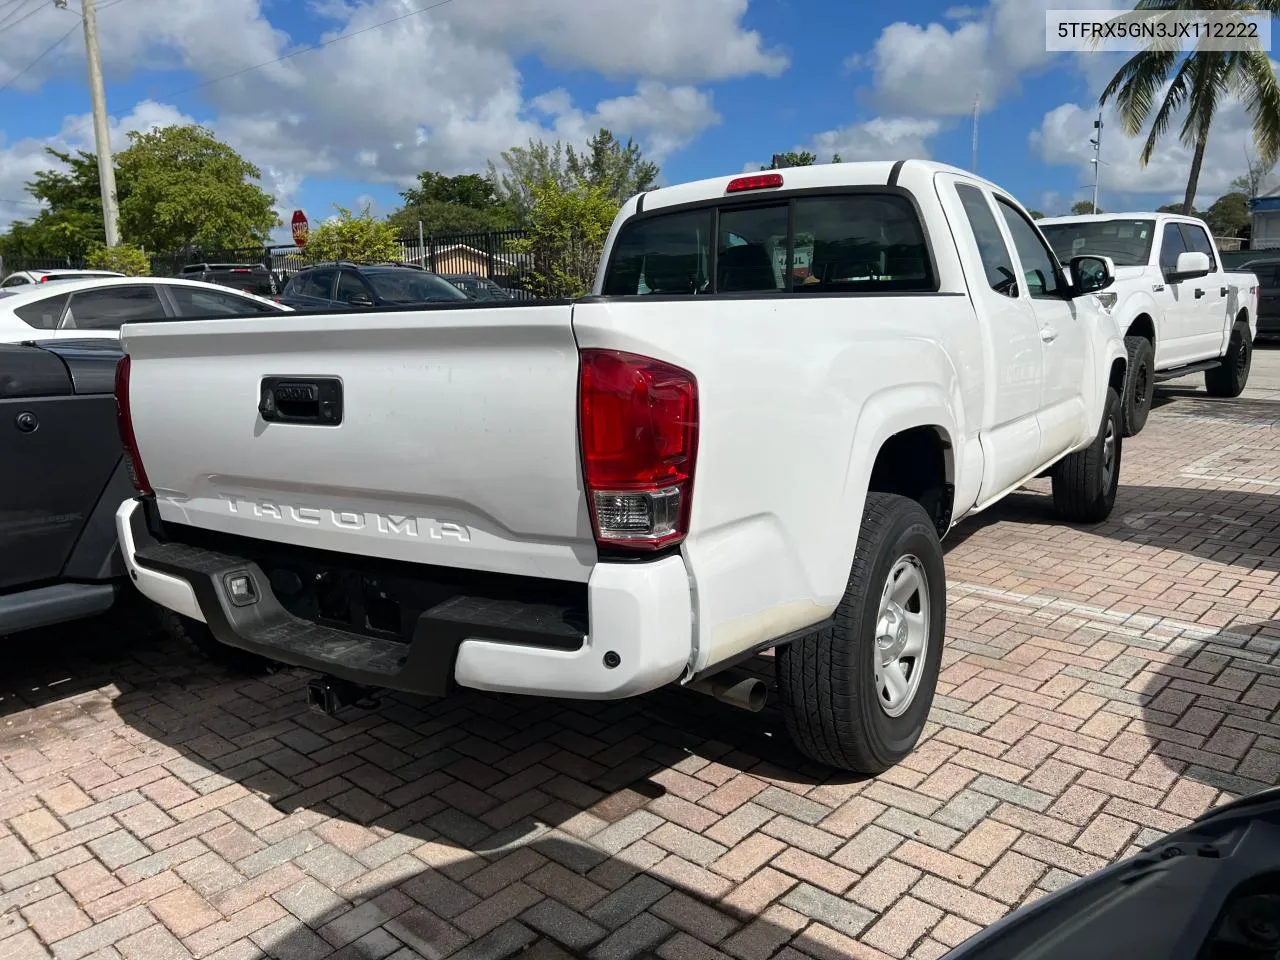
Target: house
1264	211
458	258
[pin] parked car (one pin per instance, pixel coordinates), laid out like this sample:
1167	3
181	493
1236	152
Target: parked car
343	285
477	287
714	454
22	278
77	309
1180	311
248	277
1268	273
64	477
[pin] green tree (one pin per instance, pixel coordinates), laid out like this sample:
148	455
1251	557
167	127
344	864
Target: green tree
361	237
1229	215
527	167
620	170
1176	208
1036	214
465	203
71	222
187	189
793	158
1197	83
125	258
567	228
1082	208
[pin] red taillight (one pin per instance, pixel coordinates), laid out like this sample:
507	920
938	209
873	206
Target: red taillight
638	422
124	422
44	279
758	181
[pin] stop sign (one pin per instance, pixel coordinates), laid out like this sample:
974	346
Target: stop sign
301	229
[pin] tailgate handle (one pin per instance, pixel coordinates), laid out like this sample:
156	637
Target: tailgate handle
313	400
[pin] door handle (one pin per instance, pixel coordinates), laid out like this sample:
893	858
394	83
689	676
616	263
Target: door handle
1199	293
1223	291
1048	334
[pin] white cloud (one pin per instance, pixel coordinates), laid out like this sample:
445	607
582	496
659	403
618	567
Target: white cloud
895	137
937	69
1063	139
439	91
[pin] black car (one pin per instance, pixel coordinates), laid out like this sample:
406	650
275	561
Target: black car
1268	273
65	475
249	277
336	286
477	287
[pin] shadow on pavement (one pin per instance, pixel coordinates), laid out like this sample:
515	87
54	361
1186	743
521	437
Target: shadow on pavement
1229	526
1211	714
456	827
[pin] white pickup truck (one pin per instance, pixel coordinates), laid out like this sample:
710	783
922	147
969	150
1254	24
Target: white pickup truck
1180	311
783	391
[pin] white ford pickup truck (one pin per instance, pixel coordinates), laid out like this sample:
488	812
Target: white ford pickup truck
1180	311
783	391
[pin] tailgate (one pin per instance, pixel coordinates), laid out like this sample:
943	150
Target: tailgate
457	443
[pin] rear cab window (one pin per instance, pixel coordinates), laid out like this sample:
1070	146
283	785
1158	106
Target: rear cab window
867	241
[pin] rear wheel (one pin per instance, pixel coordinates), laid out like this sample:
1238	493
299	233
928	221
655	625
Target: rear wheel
856	695
1229	378
1085	482
1140	385
197	637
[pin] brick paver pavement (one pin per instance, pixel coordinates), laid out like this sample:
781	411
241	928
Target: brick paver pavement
1100	687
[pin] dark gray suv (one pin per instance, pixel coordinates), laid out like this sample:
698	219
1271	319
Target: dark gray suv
341	286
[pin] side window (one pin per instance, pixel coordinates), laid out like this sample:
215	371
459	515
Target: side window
43	314
350	285
193	302
996	259
111	307
320	284
15	282
1198	240
752	250
1039	268
1171	244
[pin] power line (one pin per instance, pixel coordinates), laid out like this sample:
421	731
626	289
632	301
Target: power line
44	53
12	22
20	203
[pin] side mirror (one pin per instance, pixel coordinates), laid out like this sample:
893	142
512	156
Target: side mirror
360	300
1191	265
1091	273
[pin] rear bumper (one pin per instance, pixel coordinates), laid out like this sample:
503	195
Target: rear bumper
638	620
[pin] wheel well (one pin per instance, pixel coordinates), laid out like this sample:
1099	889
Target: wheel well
1243	316
916	463
1116	379
1142	326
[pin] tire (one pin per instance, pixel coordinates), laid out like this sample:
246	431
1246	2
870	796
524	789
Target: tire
1085	482
1229	379
198	638
827	680
1139	386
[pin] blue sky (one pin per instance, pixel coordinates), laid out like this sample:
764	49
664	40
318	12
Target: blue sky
707	86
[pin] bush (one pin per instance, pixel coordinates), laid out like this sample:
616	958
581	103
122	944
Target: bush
125	258
348	236
566	232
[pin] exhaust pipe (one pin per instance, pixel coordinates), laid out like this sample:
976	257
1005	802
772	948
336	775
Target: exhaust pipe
734	688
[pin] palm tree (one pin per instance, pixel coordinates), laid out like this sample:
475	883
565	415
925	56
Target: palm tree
1201	80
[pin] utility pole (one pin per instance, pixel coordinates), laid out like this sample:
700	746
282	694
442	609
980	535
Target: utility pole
101	132
1097	158
977	101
